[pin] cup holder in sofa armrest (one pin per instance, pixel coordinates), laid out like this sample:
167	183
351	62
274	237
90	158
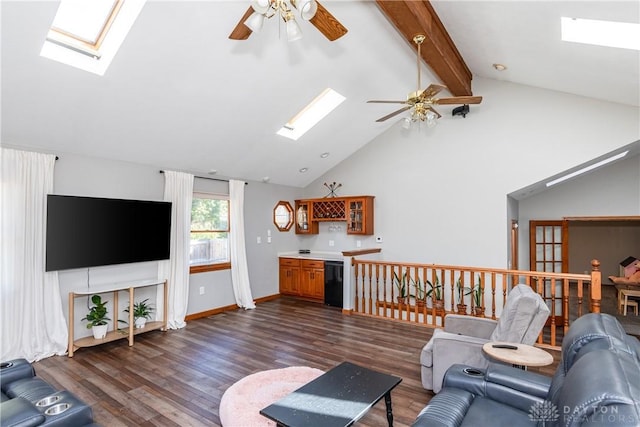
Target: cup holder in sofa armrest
57	409
465	377
67	410
473	372
5	365
49	400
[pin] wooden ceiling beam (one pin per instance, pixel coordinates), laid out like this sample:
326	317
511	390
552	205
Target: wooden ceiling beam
411	17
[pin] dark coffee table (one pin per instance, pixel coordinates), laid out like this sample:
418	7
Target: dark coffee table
339	397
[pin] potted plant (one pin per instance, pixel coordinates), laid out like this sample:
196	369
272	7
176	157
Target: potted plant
141	312
461	292
478	296
97	317
402	283
421	294
435	291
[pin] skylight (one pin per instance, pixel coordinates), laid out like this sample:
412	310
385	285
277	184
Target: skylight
624	35
87	34
310	115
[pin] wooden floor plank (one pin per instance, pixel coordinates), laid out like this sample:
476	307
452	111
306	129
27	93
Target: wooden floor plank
177	378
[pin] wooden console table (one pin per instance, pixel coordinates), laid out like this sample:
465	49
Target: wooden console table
115	333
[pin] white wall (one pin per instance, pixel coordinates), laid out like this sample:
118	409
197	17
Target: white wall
441	192
613	190
88	176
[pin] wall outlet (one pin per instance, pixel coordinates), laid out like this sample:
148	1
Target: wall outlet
358	244
259	240
268	239
268	233
201	290
378	239
331	243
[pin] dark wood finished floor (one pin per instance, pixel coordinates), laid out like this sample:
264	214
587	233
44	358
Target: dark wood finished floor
177	378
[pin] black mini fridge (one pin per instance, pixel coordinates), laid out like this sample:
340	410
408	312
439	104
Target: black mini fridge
333	283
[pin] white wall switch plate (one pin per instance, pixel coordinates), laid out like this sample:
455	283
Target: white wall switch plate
358	244
259	240
331	243
201	290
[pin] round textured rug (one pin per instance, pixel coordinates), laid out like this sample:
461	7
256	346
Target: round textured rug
241	403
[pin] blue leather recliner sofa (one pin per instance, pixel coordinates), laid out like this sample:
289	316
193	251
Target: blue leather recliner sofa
26	400
597	383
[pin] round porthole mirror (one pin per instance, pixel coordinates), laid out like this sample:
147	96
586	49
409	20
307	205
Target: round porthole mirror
283	216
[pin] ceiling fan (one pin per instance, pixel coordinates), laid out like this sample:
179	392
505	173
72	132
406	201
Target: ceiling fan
422	101
310	10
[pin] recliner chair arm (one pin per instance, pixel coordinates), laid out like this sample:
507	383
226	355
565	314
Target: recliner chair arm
511	386
15	370
514	378
479	327
19	412
448	349
446	409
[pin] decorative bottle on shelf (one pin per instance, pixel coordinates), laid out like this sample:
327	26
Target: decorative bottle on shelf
302	218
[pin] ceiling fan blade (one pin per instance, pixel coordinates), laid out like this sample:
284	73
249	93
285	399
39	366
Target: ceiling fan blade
329	26
395	113
432	91
386	102
434	111
459	100
241	31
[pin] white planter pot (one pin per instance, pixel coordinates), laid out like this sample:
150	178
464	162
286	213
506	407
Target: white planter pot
139	322
99	331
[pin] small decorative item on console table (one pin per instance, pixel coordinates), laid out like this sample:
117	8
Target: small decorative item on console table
142	312
97	317
116	333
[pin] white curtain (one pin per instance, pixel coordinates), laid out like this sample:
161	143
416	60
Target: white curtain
31	318
178	189
239	269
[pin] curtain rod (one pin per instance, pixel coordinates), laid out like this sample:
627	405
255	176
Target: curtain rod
212	179
201	177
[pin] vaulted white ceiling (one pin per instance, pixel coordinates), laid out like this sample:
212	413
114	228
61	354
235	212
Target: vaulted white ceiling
180	95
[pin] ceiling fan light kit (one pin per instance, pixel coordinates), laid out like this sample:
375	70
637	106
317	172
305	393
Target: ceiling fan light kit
420	102
261	6
266	9
307	8
310	10
293	29
255	22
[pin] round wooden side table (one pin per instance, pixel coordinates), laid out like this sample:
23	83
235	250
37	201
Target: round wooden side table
522	356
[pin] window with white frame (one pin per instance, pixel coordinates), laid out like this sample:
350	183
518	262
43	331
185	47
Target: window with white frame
209	248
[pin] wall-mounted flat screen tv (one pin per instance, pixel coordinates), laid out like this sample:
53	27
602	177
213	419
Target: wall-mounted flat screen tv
89	232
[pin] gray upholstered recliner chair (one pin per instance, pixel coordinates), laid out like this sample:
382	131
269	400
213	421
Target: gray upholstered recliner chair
461	340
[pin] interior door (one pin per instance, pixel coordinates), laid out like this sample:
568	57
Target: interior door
548	252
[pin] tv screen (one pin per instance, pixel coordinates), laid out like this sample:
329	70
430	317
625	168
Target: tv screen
90	232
